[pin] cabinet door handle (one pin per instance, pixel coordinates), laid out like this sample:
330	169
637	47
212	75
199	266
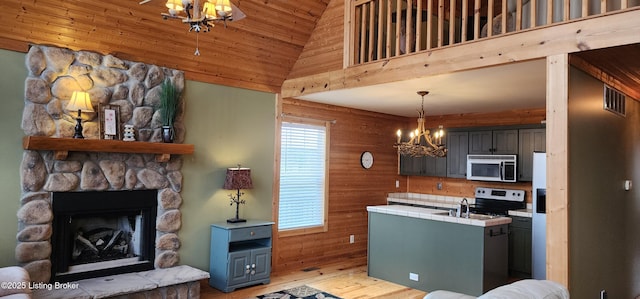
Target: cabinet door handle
252	233
248	270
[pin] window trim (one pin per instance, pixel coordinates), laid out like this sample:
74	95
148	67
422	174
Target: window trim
311	229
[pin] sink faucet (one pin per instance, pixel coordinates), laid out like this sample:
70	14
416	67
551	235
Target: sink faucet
464	202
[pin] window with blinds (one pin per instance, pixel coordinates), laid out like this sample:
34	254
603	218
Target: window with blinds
302	176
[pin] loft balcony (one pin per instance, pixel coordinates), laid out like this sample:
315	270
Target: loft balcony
447	36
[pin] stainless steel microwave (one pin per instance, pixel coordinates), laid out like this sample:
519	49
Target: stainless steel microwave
493	168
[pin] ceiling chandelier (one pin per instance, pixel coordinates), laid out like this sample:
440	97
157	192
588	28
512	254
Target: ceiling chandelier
421	143
201	14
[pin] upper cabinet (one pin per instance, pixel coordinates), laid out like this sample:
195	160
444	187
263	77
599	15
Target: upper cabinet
457	150
496	142
517	141
530	140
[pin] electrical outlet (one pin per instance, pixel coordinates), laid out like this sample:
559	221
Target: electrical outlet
414	277
352	239
439	186
397	183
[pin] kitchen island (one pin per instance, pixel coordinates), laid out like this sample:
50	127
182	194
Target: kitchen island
428	250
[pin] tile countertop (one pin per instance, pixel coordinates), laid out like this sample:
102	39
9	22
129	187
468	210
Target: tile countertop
442	201
433	214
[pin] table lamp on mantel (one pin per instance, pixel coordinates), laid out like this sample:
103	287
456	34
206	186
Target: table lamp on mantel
237	178
81	102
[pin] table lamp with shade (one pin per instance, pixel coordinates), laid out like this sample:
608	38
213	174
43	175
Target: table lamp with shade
81	102
237	178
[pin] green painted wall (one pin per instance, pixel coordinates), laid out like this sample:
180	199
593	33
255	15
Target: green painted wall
11	103
226	125
604	247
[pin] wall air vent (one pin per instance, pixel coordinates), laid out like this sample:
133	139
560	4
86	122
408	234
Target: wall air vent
614	101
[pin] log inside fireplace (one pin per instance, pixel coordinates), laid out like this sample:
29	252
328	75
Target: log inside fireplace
99	233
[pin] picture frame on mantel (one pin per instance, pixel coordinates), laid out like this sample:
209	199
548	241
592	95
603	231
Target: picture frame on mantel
109	122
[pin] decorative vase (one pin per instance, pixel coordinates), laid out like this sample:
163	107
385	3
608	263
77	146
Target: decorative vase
167	134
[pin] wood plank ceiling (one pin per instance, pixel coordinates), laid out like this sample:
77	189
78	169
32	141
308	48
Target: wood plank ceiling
256	52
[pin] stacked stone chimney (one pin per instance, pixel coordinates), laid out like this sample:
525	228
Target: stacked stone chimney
54	73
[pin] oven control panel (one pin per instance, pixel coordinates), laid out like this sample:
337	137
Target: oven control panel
500	194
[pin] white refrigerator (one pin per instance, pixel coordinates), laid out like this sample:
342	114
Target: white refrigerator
539	217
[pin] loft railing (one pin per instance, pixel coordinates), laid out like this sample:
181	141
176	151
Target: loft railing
381	29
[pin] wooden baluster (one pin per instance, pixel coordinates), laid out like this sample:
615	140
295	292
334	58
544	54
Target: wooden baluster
489	18
440	22
408	28
372	23
452	22
419	26
388	41
380	20
429	27
398	21
363	32
534	16
464	18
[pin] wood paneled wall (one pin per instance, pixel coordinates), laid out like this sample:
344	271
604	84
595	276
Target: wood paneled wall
325	49
351	187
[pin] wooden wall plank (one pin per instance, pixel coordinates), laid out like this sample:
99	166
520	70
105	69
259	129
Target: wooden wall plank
325	48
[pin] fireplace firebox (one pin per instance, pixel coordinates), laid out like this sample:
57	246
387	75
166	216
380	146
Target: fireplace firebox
99	233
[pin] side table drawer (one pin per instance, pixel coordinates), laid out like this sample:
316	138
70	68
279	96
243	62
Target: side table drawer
250	233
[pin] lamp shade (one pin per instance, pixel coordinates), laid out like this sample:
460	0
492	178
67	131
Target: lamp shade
209	10
238	178
80	100
223	5
175	5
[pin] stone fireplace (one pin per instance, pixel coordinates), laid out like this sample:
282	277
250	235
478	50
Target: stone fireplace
54	73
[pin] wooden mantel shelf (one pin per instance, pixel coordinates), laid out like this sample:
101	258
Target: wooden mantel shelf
62	147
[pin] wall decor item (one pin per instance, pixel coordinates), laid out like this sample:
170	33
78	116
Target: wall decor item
129	133
110	122
169	101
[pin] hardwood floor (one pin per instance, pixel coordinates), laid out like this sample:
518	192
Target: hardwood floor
347	279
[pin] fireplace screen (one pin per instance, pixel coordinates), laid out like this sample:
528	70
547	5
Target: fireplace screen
103	233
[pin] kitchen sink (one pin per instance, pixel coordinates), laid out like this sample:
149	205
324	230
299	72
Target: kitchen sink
482	216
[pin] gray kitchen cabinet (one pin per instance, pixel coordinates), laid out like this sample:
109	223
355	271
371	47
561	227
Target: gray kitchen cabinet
240	254
409	165
529	141
424	166
496	142
520	247
435	166
457	150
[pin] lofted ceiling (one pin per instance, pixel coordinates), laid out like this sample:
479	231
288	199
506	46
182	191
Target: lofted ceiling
260	51
256	52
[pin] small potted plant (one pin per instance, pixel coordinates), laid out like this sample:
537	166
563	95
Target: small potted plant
169	99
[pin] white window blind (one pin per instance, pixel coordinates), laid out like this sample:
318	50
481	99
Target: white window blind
302	176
